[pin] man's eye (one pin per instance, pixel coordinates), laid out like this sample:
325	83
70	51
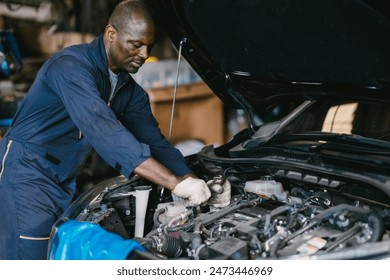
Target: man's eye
137	45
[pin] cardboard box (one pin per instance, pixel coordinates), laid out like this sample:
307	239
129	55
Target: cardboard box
198	113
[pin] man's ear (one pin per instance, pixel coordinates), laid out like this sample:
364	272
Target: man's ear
110	33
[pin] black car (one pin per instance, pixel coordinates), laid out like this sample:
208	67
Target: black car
313	183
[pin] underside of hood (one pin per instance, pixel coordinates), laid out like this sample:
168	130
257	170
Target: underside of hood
260	50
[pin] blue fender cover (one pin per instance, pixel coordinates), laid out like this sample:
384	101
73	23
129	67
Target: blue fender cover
87	241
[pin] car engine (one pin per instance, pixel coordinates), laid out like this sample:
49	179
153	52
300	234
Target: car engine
270	217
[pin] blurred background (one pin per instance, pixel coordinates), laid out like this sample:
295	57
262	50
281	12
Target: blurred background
32	30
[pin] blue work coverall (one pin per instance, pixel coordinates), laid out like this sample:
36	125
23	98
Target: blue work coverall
65	113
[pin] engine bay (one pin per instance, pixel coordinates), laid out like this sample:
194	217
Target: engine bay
270	217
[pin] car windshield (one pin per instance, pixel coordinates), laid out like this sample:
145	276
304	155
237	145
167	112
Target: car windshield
367	119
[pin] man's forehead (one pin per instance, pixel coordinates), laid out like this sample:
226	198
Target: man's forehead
139	31
135	25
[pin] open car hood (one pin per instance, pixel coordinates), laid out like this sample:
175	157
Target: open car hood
257	52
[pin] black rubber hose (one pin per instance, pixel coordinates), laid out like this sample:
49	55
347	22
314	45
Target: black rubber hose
378	227
156	215
167	245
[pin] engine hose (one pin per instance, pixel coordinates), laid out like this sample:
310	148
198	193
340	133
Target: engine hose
207	219
278	211
197	251
153	232
157	214
183	227
377	226
167	245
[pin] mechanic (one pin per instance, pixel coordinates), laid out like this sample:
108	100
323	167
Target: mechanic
83	97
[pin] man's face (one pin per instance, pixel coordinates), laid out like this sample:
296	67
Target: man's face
129	45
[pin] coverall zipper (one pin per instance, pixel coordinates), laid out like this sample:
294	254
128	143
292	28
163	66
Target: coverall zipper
34	238
112	97
5	156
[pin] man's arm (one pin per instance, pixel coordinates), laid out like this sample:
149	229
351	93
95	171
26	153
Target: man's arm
193	189
155	172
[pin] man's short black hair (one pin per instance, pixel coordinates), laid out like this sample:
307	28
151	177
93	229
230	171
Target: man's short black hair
126	11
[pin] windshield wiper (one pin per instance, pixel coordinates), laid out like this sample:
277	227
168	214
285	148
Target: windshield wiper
267	131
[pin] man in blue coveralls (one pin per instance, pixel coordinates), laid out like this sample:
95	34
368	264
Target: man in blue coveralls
84	97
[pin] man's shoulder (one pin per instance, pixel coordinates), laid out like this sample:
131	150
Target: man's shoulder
82	56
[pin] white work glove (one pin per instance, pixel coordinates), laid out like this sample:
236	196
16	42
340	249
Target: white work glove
194	190
220	194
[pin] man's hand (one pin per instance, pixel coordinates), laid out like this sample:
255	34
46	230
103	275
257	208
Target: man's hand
195	190
220	194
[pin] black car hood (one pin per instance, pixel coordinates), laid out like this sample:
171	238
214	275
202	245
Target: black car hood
258	51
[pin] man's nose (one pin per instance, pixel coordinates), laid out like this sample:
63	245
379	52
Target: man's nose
144	52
